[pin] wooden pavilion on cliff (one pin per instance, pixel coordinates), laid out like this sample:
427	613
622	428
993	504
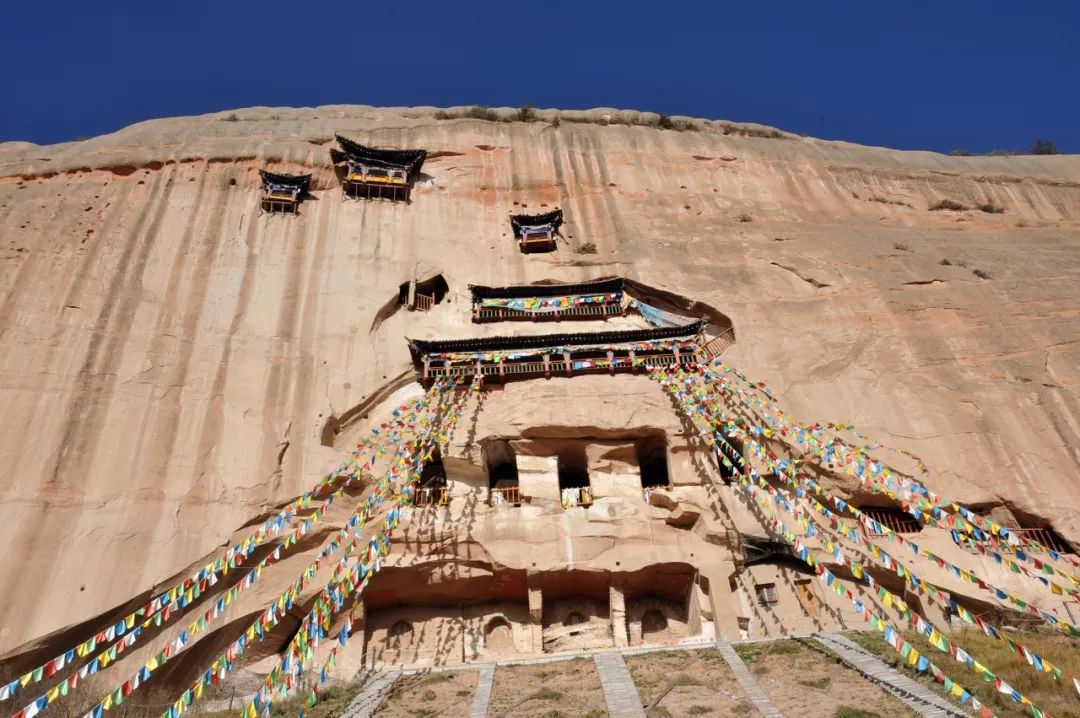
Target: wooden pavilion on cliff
537	232
370	172
283	193
592	299
545	355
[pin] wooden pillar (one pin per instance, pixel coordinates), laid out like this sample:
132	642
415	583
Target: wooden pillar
633	361
502	369
427	365
547	366
410	303
611	358
677	358
566	361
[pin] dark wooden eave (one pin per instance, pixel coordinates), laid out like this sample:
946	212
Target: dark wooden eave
607	285
411	160
420	347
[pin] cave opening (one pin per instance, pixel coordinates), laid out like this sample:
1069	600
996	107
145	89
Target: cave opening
500	460
432	490
652	462
573	470
728	459
422	295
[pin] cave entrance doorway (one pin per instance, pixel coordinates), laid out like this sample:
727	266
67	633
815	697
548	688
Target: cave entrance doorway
654	626
499	637
728	459
422	295
652	464
573	469
433	489
500	460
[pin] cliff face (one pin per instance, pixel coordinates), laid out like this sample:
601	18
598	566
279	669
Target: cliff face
170	358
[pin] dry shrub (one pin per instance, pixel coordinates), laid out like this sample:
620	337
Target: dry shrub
947	204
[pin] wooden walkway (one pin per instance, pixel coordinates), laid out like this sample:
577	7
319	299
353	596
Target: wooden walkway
620	692
622	697
483	691
915	695
749	685
371	696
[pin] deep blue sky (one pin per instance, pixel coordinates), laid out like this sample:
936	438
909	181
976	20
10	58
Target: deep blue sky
917	75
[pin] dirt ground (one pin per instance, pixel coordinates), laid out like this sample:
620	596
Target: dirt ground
549	690
426	696
801	681
687	683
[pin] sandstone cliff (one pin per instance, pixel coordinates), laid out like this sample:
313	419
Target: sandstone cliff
173	363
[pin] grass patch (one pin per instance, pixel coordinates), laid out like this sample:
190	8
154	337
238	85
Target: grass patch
849	712
982	274
946	204
754	652
991	208
332	702
586	248
744	217
697	710
819	683
1055	698
901	247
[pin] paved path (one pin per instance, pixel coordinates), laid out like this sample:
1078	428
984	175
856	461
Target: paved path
753	690
620	692
917	696
483	691
371	696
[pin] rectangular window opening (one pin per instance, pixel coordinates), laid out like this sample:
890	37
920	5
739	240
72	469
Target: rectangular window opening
766	594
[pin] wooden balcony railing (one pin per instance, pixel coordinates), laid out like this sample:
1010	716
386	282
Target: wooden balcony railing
501	495
424	302
720	343
435	496
559	366
482	314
